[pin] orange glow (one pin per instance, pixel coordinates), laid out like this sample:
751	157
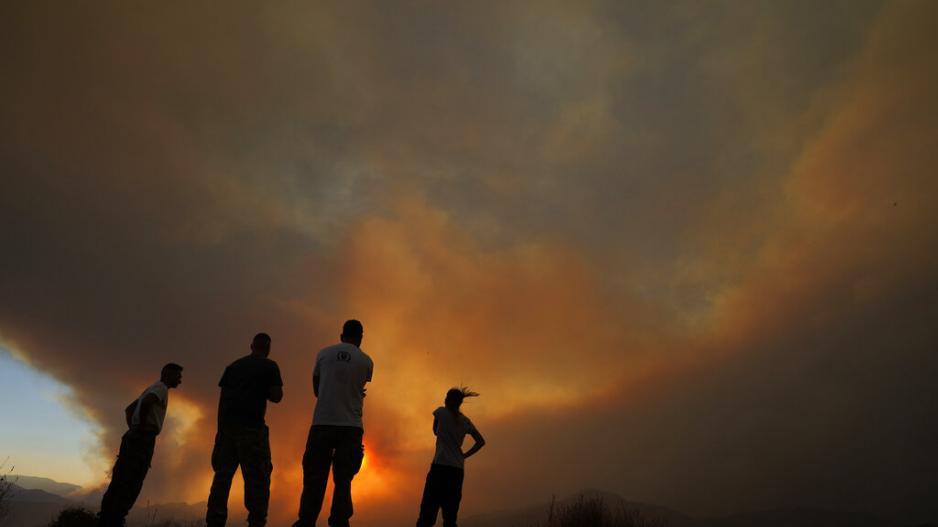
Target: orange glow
374	477
181	422
375	481
364	462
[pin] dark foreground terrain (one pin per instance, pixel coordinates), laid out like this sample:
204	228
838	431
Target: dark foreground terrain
43	506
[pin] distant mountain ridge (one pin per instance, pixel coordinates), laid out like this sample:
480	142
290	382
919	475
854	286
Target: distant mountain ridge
45	484
36	507
33	507
20	494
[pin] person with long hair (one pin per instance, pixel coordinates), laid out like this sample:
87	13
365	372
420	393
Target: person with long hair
443	488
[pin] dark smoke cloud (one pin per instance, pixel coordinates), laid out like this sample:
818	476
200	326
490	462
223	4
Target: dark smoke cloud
677	247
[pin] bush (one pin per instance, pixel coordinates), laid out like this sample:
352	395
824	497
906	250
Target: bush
592	511
75	517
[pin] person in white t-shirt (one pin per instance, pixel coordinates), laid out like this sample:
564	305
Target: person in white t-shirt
335	437
443	488
144	421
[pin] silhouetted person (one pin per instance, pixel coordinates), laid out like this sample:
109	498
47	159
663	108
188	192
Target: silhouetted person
443	489
144	421
335	438
242	437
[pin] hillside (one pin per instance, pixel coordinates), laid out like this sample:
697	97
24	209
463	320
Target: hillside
35	507
45	484
537	515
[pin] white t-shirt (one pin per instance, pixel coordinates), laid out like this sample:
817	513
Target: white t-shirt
157	413
451	429
343	369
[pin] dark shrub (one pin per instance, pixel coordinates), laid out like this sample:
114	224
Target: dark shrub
74	517
592	511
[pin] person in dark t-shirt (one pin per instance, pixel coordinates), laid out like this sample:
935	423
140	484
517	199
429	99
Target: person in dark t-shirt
245	390
242	437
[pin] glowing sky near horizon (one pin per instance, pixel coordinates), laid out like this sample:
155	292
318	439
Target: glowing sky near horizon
41	436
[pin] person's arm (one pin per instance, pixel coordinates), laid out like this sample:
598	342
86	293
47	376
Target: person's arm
275	394
371	368
146	406
480	442
316	378
222	383
434	425
275	385
129	412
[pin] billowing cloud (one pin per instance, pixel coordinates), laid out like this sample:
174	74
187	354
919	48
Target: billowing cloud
676	247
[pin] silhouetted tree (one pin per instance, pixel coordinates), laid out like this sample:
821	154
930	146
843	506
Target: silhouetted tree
6	490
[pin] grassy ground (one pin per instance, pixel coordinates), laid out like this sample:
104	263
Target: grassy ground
81	517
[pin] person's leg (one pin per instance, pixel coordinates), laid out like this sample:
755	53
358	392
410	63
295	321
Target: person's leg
316	462
256	467
430	503
224	463
108	515
130	469
349	453
451	496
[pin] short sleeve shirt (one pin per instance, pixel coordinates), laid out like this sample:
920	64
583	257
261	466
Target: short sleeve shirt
343	369
154	419
451	430
245	386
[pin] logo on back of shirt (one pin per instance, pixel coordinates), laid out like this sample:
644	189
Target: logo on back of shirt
344	356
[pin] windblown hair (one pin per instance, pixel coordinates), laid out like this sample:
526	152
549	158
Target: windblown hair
466	392
456	395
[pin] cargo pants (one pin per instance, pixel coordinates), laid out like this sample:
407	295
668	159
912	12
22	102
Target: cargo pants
249	448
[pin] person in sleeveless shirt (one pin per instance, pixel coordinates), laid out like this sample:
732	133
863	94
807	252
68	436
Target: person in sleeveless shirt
144	422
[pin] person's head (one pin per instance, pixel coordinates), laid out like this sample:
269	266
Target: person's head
352	332
171	375
455	397
261	345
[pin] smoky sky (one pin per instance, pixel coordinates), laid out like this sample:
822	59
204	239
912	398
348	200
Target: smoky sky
684	250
